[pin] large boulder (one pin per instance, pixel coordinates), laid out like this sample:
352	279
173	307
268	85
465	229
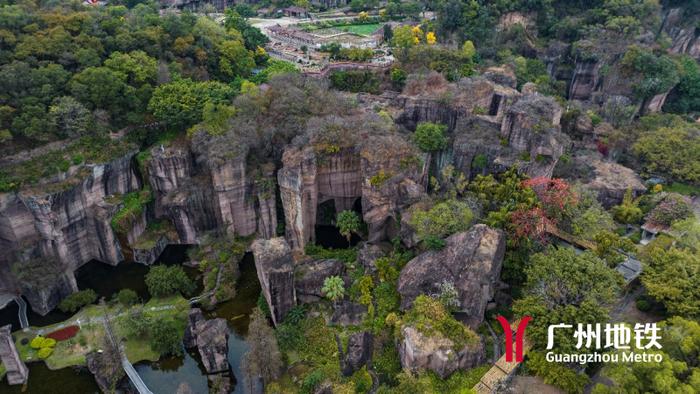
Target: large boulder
275	267
421	352
212	343
358	353
470	260
194	317
309	277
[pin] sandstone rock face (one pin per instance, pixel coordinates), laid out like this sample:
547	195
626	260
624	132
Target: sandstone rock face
369	253
233	192
493	127
212	343
194	317
382	172
275	267
611	181
532	129
211	339
420	352
470	260
70	227
108	372
309	277
358	353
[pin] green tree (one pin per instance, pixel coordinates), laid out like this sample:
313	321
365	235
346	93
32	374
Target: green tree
443	219
678	372
234	59
628	211
70	118
164	281
673	277
685	97
608	247
657	73
670	151
136	65
563	286
348	223
430	137
127	297
166	337
77	300
333	288
263	359
180	103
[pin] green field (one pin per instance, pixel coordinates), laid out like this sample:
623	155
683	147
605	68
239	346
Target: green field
363	30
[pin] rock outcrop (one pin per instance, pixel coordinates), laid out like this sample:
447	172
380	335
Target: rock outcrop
357	354
15	369
275	267
309	277
210	337
68	227
212	343
471	261
348	313
382	172
420	352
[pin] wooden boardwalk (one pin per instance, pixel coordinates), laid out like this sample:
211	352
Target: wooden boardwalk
502	370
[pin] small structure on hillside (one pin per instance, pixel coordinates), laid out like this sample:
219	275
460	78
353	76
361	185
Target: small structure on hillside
17	372
296	12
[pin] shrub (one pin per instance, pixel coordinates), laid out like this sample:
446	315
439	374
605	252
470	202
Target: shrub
333	288
64	333
45	352
127	297
671	209
312	380
77	300
643	305
443	219
164	281
430	137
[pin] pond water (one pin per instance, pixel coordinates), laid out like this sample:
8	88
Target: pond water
168	373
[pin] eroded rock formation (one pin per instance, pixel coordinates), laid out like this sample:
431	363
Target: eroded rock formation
471	261
421	352
275	267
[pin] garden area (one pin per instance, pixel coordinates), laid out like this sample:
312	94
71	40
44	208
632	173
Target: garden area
67	344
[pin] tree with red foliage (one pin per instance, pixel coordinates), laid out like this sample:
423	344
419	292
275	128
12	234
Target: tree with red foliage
555	194
530	223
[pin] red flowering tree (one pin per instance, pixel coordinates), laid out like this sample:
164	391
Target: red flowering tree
530	223
555	194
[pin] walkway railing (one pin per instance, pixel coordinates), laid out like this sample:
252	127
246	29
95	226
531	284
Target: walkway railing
128	367
22	313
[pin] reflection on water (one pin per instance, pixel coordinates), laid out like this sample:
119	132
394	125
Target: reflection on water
166	375
62	381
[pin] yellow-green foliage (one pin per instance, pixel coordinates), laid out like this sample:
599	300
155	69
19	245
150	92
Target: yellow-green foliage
45	352
40	342
431	318
379	178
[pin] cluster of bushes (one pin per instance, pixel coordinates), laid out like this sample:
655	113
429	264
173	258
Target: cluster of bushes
44	346
165	280
77	300
355	81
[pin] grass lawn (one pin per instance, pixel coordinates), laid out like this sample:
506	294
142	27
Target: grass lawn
92	333
683	188
363	30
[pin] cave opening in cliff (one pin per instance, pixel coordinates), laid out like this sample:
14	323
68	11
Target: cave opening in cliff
327	233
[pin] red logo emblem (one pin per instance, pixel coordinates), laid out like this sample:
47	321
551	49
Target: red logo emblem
519	335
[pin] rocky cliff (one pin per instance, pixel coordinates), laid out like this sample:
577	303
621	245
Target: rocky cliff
470	261
65	228
492	126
